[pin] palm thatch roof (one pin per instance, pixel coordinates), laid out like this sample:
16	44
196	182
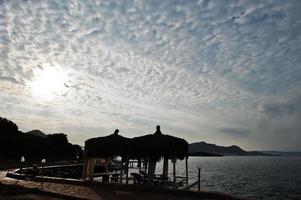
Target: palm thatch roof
107	147
157	145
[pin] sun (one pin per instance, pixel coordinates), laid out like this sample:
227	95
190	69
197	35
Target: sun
47	83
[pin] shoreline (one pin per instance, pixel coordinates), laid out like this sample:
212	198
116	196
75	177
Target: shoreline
97	190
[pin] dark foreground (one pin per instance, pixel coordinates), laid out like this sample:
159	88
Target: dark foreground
11	188
11	192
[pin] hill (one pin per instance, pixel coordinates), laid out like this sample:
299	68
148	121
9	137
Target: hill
204	154
37	133
233	150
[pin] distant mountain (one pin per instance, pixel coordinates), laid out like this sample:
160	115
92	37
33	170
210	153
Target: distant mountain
37	133
204	154
283	153
203	147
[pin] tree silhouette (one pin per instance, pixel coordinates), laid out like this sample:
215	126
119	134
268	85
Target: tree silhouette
15	143
57	138
7	127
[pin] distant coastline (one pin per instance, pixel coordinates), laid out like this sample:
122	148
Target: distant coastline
282	153
209	150
204	154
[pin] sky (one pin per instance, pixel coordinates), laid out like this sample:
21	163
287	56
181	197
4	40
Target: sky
224	72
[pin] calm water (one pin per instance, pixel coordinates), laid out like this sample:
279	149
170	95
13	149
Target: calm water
252	177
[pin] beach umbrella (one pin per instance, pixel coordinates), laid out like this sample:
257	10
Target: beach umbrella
107	147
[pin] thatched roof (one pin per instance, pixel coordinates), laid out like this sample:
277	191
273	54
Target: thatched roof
107	147
157	145
152	146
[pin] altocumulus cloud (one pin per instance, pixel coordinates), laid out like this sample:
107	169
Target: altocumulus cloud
227	73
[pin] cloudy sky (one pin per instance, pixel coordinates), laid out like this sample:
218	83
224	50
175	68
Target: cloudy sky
225	72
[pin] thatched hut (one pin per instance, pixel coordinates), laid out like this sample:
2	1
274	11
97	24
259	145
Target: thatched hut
106	147
151	148
155	146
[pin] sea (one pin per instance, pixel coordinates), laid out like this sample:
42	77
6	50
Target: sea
253	177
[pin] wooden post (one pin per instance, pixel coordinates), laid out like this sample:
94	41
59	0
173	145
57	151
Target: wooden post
139	162
84	173
145	165
174	172
91	166
106	164
139	165
127	171
151	171
121	170
121	174
165	167
21	169
186	162
89	169
199	179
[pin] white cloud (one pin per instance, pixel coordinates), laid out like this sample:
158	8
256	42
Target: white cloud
195	66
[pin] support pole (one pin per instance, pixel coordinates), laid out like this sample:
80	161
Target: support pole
121	170
139	165
92	163
121	174
186	162
84	173
145	165
21	169
199	179
165	167
151	171
127	171
89	169
174	172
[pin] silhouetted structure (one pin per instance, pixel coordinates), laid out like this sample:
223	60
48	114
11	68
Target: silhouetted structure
107	147
155	146
149	148
14	144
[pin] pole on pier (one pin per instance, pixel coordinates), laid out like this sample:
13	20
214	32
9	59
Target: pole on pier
43	161
84	172
186	164
121	174
174	172
21	166
127	171
199	179
145	165
139	165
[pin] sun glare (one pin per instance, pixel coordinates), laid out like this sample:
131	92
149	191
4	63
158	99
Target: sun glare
47	83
